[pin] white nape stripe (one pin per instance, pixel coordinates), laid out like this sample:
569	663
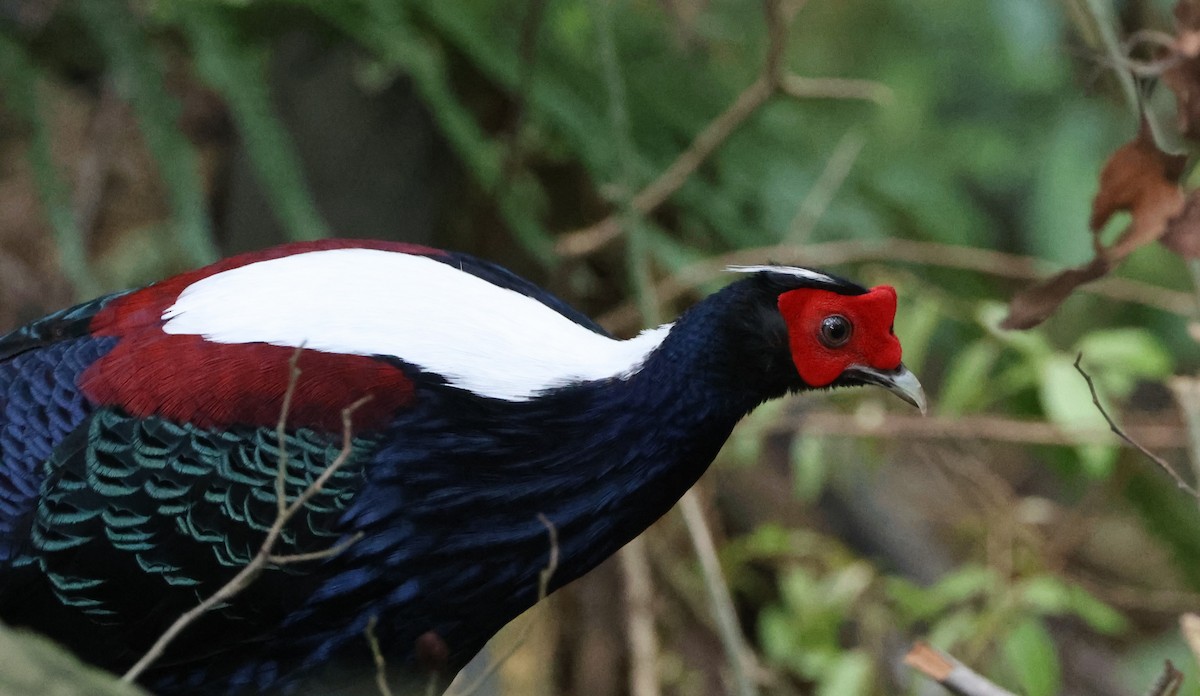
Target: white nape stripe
478	336
786	270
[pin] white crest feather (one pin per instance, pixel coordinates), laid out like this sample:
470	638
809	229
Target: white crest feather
786	270
478	336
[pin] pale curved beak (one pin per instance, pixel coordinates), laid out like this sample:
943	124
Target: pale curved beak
899	381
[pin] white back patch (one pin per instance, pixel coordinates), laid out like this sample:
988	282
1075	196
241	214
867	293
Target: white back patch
786	270
480	337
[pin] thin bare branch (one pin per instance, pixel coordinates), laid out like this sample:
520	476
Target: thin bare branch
1187	394
1168	681
899	425
995	263
281	431
821	194
956	677
265	556
772	80
639	619
740	657
544	578
591	239
377	655
1162	463
330	552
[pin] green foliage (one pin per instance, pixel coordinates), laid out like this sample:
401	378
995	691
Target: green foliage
138	74
1030	654
19	77
803	632
235	64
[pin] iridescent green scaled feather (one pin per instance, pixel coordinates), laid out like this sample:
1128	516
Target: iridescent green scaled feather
161	494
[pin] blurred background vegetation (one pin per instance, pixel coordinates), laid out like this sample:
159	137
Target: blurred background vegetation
949	149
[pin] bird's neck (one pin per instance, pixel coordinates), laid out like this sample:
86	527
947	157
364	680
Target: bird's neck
650	436
600	460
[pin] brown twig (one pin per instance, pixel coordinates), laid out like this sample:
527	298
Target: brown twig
950	673
1162	463
1168	681
995	263
1187	395
281	431
544	577
772	80
739	656
639	619
970	428
265	556
821	194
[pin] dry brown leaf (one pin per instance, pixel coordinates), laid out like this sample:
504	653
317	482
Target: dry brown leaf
1182	75
1142	179
1035	304
1139	178
1183	230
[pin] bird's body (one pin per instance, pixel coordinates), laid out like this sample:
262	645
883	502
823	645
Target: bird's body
138	448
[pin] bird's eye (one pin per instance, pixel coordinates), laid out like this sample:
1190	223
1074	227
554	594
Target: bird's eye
835	331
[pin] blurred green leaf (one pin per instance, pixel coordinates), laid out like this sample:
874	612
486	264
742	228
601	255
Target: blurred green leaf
386	28
810	470
959	586
1031	344
1031	656
1051	595
916	320
1068	403
236	65
954	628
1142	665
1117	358
966	382
851	674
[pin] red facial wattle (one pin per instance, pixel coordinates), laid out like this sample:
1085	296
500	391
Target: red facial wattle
872	342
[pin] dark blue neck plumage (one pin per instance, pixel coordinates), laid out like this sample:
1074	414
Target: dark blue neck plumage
600	460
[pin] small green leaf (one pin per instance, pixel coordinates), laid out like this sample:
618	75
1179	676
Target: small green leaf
1047	594
810	470
237	66
964	584
1030	654
954	629
966	382
1117	358
1067	402
1031	343
915	324
912	602
850	674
